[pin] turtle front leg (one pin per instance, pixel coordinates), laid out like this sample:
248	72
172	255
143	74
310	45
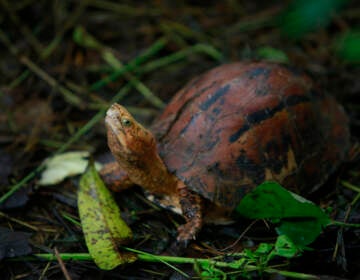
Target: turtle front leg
191	205
115	178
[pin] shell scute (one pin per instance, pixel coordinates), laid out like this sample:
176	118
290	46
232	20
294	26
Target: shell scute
243	123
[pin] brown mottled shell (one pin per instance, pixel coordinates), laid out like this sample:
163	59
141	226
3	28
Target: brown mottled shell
240	124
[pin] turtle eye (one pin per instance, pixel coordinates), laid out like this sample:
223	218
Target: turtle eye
126	122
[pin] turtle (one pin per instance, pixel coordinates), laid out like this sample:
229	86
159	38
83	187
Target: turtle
224	133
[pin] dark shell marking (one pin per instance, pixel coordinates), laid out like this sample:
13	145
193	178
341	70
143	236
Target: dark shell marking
240	124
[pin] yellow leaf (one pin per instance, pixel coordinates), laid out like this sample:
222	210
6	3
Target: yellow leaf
103	227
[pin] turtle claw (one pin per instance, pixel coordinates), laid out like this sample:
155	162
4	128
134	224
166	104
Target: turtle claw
191	209
186	233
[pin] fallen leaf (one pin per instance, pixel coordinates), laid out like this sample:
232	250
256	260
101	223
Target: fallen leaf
61	166
103	227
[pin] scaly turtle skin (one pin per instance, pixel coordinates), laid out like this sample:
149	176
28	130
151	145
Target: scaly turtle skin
224	133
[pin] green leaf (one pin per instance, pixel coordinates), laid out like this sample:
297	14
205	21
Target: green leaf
103	227
299	219
302	231
264	248
84	39
348	46
272	54
284	247
308	15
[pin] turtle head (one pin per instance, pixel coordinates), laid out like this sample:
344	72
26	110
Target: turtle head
127	139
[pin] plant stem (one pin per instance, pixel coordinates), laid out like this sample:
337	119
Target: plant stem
110	58
342	224
142	256
153	49
198	48
350	186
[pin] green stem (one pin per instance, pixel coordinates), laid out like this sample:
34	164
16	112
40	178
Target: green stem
350	186
154	48
110	58
22	182
199	48
142	256
342	224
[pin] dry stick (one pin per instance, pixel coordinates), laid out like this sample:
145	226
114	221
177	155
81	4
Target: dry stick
68	95
240	237
73	139
123	9
25	31
255	21
5	40
340	239
51	47
44	271
62	265
68	24
153	49
24	224
178	33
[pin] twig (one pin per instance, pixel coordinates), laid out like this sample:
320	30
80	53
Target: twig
26	32
62	265
255	21
71	20
149	52
340	240
68	95
123	8
353	188
50	48
25	224
44	271
95	119
240	236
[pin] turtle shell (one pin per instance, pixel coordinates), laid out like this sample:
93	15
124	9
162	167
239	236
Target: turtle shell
240	124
